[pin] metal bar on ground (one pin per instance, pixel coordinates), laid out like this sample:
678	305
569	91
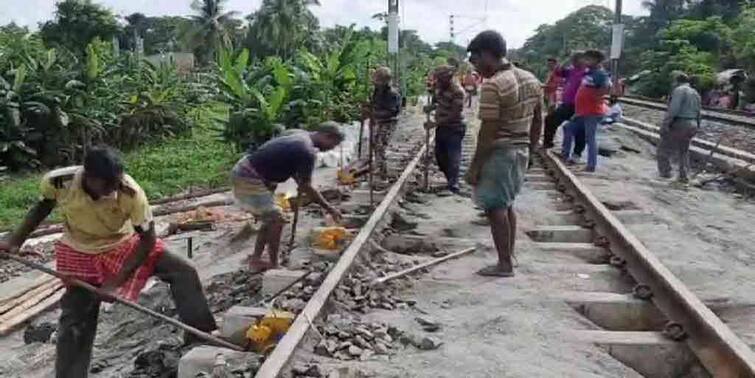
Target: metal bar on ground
297	205
421	266
371	165
721	352
281	291
196	332
275	362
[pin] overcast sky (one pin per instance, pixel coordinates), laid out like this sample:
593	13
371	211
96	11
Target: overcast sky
516	19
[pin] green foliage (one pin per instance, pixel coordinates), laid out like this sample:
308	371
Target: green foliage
212	29
53	104
163	168
744	39
675	55
726	9
160	34
588	27
256	97
78	22
280	27
710	35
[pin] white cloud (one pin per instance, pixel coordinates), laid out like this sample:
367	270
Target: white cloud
516	19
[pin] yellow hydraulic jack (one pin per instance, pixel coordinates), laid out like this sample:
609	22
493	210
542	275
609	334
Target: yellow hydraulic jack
264	334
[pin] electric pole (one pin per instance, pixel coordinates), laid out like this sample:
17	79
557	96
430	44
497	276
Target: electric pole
617	45
451	27
394	54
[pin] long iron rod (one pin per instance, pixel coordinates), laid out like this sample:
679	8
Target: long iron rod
75	282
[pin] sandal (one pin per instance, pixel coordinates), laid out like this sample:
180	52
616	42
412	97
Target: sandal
494	271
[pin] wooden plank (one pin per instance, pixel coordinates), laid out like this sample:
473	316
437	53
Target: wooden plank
277	360
9	305
11	324
30	302
717	347
15	294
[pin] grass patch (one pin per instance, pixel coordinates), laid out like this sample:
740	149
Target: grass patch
163	169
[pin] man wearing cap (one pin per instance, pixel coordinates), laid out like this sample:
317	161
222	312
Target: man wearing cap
681	123
386	105
448	102
256	175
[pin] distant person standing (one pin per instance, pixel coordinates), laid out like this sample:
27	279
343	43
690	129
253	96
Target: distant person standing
590	109
448	103
386	105
510	111
470	87
615	112
565	111
681	123
552	84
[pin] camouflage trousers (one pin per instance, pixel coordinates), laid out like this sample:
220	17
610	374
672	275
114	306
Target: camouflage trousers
383	133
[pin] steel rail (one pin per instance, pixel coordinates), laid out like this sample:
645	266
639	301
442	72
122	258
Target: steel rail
276	362
707	113
720	351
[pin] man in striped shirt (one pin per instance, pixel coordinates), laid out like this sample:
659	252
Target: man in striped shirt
448	103
510	111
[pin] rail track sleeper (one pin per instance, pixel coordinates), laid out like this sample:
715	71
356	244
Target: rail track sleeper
720	351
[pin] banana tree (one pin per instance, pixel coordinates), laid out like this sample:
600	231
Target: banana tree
258	99
330	81
15	154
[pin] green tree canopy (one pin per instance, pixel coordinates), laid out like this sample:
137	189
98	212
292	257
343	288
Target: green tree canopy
78	22
280	27
588	27
212	28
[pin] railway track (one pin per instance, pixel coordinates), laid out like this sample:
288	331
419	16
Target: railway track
719	115
640	314
686	318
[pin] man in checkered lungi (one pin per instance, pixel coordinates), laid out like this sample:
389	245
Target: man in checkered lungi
109	241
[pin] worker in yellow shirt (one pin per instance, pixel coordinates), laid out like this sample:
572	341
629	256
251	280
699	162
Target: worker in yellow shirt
109	241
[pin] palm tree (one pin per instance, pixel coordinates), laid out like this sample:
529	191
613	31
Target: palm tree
280	26
212	28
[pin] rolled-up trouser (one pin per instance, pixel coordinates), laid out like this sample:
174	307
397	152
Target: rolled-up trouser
383	133
675	143
80	311
448	152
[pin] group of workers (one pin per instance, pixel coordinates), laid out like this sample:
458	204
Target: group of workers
109	233
581	108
